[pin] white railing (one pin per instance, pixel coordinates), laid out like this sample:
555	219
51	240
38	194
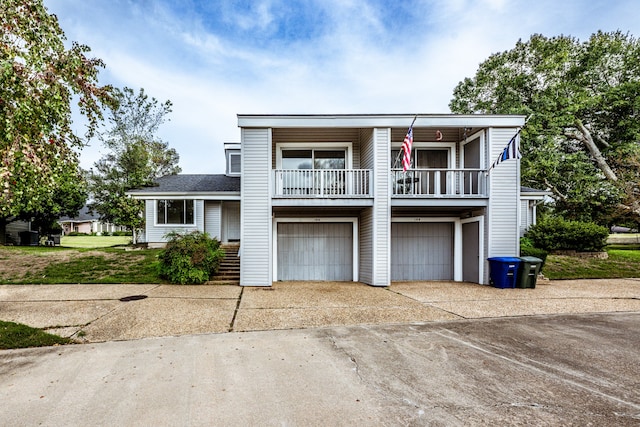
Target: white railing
439	183
322	183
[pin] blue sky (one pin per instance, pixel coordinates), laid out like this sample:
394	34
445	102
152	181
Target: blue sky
215	59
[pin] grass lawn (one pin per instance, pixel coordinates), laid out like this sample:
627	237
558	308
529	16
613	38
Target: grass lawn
59	265
15	335
94	241
621	263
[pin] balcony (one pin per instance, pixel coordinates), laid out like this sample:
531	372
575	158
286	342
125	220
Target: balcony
439	183
322	183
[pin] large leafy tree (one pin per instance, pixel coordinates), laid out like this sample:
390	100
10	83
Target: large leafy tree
583	102
39	79
135	158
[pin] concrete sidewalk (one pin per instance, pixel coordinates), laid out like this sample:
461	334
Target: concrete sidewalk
97	313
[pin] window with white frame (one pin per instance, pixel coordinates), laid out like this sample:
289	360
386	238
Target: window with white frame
175	212
235	164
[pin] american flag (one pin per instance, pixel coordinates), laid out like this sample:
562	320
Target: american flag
406	147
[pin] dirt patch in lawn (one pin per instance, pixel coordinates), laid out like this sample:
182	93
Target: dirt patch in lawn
16	265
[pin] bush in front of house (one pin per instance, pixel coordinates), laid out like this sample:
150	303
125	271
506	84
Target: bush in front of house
190	258
528	249
555	233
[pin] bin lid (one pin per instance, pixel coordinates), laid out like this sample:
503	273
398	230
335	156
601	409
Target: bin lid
530	259
505	259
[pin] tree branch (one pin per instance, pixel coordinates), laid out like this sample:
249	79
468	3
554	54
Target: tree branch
555	190
601	141
587	140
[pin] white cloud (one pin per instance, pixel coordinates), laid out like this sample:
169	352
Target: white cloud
347	56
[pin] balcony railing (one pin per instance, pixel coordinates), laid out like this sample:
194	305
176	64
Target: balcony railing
328	183
439	183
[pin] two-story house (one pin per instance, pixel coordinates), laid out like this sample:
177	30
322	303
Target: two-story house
325	197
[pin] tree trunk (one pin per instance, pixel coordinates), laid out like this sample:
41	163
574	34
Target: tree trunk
588	141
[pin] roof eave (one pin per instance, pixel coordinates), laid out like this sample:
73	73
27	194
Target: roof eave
377	120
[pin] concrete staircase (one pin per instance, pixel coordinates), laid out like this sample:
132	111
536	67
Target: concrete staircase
229	270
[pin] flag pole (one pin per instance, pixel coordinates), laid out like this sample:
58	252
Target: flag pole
514	139
399	156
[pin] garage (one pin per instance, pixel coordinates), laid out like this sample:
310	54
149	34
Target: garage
315	251
422	251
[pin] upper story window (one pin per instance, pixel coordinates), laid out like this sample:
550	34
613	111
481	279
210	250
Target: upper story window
179	212
313	159
234	164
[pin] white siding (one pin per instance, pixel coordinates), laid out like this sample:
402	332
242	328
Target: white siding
155	233
381	207
503	208
212	219
526	216
366	232
256	268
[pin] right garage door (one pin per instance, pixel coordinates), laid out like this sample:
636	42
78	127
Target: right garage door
421	251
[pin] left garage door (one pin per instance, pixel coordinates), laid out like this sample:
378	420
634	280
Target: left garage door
315	251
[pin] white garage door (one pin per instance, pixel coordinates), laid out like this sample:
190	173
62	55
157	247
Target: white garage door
421	251
315	251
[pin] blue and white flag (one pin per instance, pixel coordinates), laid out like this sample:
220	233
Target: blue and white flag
511	151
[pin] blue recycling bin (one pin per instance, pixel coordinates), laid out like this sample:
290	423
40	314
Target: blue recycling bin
503	271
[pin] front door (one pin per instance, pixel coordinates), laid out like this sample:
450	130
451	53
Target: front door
471	252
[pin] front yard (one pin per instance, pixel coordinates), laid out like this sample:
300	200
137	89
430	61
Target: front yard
621	263
56	265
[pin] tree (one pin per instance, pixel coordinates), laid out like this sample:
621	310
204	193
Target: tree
583	102
136	158
39	77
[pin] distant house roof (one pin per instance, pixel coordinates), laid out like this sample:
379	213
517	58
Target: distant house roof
181	184
534	192
83	216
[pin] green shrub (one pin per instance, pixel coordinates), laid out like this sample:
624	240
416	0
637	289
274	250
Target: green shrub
189	258
122	233
77	233
527	249
555	233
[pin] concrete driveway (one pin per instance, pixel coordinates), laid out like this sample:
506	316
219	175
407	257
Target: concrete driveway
97	313
551	370
440	354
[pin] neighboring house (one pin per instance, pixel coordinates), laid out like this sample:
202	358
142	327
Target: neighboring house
530	198
14	228
87	222
184	203
324	197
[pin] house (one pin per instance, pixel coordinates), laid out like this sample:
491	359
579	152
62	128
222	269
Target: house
14	230
87	222
325	197
530	198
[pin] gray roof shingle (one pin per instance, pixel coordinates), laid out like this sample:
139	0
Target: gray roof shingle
192	183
